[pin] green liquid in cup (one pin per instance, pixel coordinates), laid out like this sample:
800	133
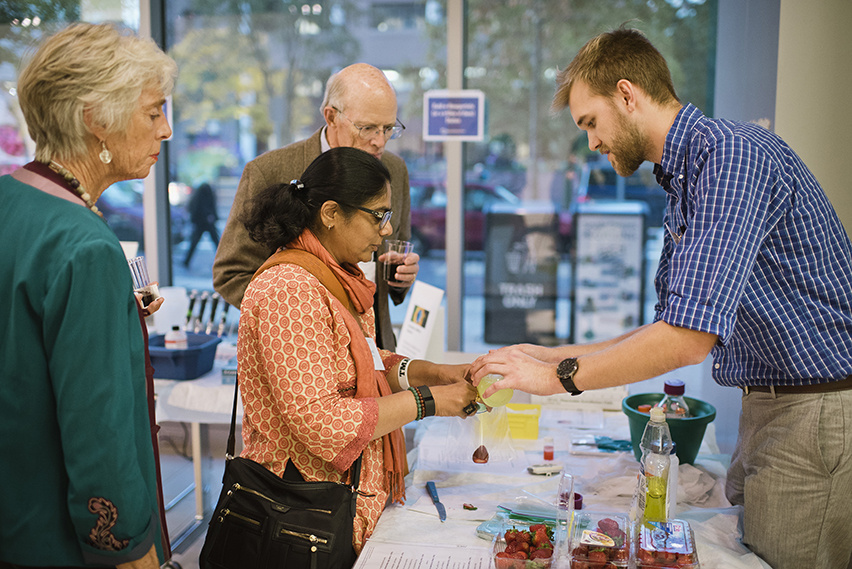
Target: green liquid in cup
500	398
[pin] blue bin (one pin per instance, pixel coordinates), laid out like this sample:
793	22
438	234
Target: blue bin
190	363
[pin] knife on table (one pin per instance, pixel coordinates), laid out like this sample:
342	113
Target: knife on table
433	492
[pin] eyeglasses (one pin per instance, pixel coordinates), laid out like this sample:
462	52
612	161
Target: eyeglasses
383	217
369	132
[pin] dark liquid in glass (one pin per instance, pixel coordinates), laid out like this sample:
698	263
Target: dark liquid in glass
392	272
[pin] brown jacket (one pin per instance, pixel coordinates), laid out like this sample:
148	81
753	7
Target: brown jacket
238	257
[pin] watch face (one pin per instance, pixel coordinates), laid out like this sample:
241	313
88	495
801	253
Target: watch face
567	368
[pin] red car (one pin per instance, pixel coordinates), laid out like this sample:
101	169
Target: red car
429	214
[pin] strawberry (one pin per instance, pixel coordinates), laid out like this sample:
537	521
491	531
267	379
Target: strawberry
544	553
536	527
504	560
540	537
606	525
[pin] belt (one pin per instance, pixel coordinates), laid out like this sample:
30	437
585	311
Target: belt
839	385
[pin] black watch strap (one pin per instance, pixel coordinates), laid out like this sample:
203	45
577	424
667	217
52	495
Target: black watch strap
565	371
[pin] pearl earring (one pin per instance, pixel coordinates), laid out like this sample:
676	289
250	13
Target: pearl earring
105	155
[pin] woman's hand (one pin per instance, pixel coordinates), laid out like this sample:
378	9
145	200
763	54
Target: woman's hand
152	306
454	400
150	561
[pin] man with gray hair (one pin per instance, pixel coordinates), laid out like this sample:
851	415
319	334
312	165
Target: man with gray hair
359	109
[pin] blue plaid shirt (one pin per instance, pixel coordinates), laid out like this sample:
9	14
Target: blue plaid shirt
754	253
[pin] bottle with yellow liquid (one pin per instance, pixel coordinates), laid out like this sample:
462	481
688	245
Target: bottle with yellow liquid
656	448
498	399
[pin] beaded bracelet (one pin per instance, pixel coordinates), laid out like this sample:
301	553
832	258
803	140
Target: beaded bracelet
403	373
419	401
428	400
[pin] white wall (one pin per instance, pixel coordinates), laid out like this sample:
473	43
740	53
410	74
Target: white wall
813	113
788	61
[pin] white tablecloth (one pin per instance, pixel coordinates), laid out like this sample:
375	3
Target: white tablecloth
606	481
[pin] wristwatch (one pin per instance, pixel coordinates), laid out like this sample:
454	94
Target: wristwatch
565	372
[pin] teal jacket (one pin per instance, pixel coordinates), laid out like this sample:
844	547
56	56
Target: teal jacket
75	437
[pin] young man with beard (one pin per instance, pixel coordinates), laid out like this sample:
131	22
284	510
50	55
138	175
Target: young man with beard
756	270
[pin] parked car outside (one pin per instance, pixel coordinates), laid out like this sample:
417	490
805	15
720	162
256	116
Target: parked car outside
122	206
599	182
429	214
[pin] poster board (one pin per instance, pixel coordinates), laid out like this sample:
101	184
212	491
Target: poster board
608	275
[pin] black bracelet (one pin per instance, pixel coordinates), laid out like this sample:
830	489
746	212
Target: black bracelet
418	399
428	401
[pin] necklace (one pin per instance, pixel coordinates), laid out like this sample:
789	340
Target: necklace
75	185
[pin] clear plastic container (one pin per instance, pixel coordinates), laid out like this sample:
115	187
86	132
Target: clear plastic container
665	543
671	488
673	403
656	448
600	540
524	546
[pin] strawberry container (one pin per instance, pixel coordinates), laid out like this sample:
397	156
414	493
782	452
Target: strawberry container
524	546
599	540
668	543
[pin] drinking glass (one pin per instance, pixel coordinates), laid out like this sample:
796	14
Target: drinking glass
141	283
394	253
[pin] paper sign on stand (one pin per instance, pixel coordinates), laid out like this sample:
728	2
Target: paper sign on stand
421	336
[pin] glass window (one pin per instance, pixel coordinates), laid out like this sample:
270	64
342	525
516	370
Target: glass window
22	25
252	79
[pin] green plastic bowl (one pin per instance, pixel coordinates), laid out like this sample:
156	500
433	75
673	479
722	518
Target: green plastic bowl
686	432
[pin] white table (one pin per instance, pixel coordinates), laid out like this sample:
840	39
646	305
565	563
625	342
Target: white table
412	536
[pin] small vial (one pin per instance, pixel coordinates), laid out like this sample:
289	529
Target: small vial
548	448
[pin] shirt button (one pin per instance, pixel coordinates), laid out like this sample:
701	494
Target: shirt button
717	366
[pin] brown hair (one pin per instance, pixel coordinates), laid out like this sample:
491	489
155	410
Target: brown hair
610	57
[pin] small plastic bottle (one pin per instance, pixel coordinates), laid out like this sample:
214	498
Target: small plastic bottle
673	403
656	448
548	448
176	339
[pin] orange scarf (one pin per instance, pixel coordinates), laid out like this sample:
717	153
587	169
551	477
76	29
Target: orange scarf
369	381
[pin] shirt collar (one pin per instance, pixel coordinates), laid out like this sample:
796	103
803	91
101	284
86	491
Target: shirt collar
677	144
324	145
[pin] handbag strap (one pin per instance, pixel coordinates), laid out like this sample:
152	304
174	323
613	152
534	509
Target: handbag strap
323	273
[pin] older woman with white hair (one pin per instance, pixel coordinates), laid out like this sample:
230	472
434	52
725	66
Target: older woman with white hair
76	434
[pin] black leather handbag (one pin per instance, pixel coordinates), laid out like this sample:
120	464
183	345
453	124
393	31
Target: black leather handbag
265	521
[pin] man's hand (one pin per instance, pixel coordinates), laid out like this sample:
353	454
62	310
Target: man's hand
519	370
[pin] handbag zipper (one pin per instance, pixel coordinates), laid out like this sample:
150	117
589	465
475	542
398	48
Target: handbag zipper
306	536
226	512
238	486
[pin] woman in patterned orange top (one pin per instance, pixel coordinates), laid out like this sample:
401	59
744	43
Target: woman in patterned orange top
316	391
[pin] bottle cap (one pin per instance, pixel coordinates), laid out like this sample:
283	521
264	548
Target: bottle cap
176	328
673	387
658	415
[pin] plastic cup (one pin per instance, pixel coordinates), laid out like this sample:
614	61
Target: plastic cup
394	253
498	399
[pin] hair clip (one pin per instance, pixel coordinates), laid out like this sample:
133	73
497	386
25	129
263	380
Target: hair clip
299	185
